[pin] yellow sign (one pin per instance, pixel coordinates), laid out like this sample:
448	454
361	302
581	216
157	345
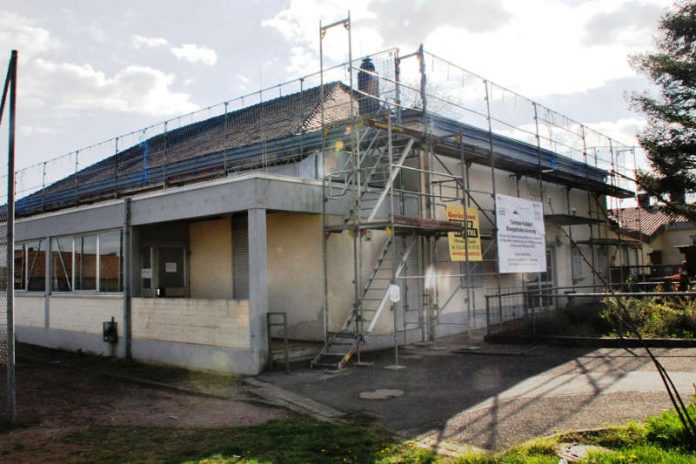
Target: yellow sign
457	242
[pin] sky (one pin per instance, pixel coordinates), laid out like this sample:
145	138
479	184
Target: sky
91	70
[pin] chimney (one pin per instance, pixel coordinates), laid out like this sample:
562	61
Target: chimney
644	200
368	83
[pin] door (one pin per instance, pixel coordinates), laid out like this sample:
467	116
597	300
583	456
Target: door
544	282
163	270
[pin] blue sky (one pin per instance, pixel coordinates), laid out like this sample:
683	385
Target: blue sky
93	70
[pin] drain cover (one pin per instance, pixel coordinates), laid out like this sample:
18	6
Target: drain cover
380	394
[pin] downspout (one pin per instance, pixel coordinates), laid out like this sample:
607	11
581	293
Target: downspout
127	250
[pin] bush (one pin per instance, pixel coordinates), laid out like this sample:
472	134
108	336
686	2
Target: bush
666	430
655	317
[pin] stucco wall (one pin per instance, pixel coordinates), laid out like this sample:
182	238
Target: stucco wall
222	323
671	237
210	259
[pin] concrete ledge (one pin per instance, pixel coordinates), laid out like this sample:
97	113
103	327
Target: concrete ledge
201	357
592	342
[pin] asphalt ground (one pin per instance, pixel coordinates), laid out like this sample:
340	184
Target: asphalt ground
499	395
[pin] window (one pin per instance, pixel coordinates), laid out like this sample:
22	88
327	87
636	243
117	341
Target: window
86	262
61	264
36	265
20	267
110	261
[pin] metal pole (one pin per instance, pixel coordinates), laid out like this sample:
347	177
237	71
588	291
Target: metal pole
541	194
493	189
116	167
164	162
324	236
464	168
224	141
11	380
77	177
127	264
43	186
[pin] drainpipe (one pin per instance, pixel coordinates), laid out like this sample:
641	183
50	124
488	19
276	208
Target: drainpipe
127	250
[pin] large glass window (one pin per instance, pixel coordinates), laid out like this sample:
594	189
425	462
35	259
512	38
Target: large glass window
36	265
110	261
61	264
20	267
86	262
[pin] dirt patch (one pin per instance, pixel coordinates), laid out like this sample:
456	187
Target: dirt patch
55	400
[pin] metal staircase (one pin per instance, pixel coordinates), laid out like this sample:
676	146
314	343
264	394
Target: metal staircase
368	176
374	298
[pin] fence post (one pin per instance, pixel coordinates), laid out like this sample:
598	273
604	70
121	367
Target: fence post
488	316
77	177
116	167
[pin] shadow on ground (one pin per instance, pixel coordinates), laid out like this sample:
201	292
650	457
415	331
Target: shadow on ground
497	397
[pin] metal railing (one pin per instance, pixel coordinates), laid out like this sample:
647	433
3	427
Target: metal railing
519	310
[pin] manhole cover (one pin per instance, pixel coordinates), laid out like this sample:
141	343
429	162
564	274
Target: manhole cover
380	394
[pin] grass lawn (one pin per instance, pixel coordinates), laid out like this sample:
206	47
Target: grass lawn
303	440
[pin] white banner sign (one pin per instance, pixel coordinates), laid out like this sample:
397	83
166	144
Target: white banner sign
521	235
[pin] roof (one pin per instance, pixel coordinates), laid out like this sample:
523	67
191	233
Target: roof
286	130
210	143
648	221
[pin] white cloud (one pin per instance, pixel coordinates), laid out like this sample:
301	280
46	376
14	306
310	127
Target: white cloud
139	41
299	25
23	34
543	47
137	89
195	54
37	130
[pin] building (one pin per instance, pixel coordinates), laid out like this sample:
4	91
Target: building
318	202
659	238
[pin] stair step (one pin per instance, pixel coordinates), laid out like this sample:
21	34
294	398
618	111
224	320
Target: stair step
340	355
340	343
342	334
331	365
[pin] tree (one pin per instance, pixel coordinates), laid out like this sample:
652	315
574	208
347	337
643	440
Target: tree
670	136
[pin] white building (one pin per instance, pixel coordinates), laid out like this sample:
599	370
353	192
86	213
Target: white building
188	238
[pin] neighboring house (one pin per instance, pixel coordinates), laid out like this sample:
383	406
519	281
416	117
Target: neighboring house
659	235
309	204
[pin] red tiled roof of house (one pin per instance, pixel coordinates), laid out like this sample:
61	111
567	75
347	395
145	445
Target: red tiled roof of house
648	221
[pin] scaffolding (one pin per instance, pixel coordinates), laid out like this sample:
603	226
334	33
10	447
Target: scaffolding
393	139
418	132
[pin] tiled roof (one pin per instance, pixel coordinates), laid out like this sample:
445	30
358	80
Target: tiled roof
146	163
648	221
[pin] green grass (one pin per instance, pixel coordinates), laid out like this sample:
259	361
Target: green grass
298	440
303	440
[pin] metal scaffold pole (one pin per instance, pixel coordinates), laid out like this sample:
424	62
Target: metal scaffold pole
493	191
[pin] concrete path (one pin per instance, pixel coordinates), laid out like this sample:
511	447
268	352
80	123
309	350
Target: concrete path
502	395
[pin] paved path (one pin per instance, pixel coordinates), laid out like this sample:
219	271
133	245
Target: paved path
503	395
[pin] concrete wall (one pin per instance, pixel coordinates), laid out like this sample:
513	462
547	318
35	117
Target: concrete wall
208	334
210	259
222	323
69	322
201	334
